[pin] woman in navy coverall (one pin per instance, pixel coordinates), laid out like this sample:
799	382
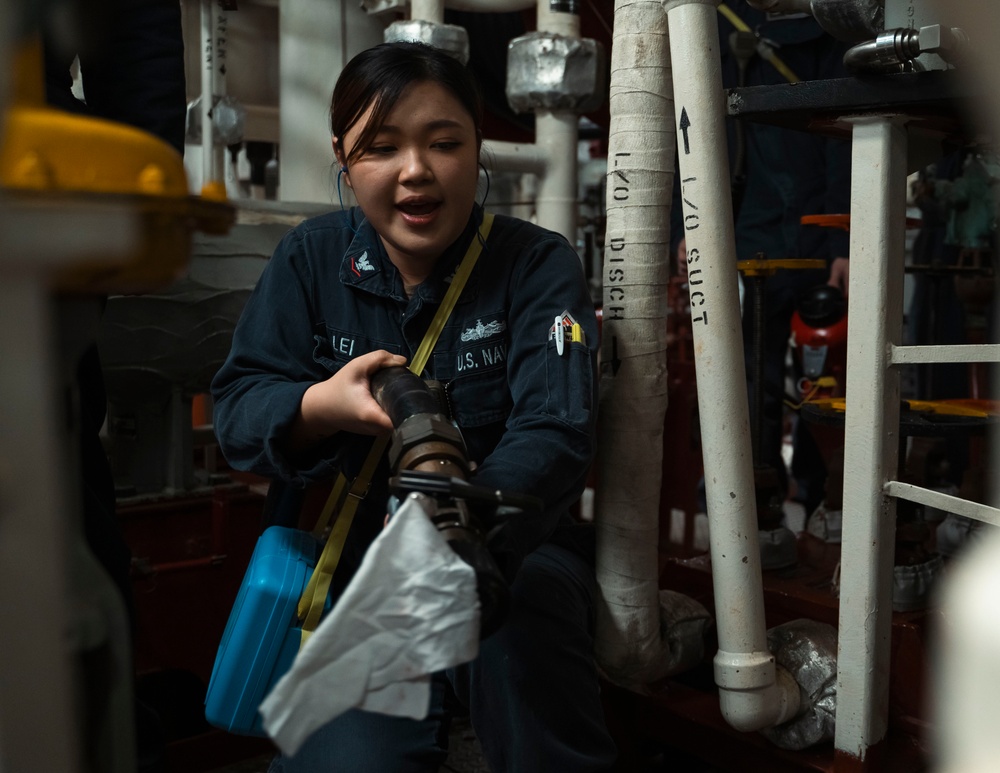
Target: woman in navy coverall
350	292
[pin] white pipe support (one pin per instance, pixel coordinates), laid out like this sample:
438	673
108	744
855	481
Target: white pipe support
513	157
427	10
556	135
718	344
871	430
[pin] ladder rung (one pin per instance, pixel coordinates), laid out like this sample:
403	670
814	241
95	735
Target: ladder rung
921	355
946	502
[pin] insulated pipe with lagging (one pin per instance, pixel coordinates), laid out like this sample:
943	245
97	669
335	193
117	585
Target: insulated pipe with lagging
638	639
754	692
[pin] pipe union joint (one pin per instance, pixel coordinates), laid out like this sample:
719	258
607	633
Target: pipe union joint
743	670
426	428
546	71
449	38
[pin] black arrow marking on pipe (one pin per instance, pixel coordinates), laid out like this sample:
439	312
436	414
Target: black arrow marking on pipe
685	124
615	362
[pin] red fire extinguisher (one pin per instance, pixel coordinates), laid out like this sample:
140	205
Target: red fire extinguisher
819	342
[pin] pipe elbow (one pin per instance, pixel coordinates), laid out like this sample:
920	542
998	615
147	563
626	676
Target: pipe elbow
754	692
756	708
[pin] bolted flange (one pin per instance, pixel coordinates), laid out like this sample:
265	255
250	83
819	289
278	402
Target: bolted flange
449	38
546	71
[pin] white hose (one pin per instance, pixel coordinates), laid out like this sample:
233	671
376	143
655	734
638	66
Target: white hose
752	695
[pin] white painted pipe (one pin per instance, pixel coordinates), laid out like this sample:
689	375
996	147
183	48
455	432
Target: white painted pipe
427	10
557	22
520	157
556	135
207	93
220	31
751	695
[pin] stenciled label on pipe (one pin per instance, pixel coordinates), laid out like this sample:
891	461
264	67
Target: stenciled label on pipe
615	274
692	219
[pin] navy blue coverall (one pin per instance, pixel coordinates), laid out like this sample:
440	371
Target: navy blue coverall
527	414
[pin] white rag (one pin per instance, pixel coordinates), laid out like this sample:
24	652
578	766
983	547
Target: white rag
410	610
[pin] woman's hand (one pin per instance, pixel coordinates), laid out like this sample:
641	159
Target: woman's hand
343	402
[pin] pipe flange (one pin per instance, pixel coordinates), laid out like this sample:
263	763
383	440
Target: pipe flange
449	38
546	71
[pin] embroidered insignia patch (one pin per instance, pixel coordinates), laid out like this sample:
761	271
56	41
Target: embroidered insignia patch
481	331
361	263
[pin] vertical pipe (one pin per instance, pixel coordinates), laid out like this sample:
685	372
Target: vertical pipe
556	135
557	22
317	38
220	24
750	695
427	10
629	640
207	93
875	314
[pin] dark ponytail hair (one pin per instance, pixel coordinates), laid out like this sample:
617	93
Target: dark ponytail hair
378	76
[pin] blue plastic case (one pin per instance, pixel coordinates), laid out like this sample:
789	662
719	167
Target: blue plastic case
262	635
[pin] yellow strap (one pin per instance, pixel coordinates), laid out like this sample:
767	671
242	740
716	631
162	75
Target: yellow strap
766	51
332	502
451	297
313	599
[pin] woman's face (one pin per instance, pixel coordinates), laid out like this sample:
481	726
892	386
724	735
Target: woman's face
416	184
